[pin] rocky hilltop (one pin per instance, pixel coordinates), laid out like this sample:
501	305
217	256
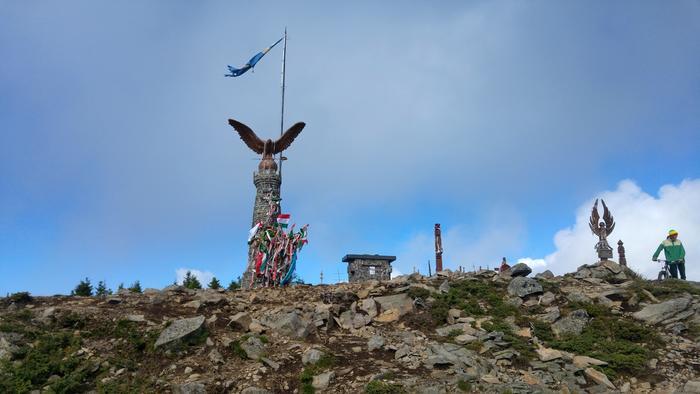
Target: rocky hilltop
599	329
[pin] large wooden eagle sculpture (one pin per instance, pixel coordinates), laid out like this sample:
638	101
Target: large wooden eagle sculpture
606	226
267	148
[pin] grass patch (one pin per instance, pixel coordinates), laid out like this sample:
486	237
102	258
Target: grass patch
463	385
667	289
475	298
379	387
542	330
454	334
518	343
474	345
307	375
50	356
624	344
418	292
237	350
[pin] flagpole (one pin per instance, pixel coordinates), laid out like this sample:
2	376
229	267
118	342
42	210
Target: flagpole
284	69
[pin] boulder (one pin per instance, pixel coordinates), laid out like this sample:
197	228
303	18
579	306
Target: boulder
520	269
547	354
545	275
255	390
599	377
311	356
521	286
692	386
572	324
374	343
322	381
241	321
291	325
369	306
7	348
401	302
577	296
179	329
253	348
585	361
444	287
546	299
189	388
656	313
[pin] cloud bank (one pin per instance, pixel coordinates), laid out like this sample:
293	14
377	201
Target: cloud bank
642	223
204	277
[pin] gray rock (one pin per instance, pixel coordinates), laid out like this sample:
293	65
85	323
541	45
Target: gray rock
577	296
401	302
369	306
546	299
521	286
255	390
253	348
291	325
216	357
444	287
656	313
374	343
209	297
311	356
241	321
7	348
572	324
692	386
520	269
322	381
271	363
179	329
189	388
545	275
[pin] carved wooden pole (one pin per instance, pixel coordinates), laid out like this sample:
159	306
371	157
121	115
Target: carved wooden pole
438	248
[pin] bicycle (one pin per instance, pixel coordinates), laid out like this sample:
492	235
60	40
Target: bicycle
665	272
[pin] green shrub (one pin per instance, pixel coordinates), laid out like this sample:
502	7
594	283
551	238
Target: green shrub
463	385
379	387
102	289
214	284
21	297
418	292
625	345
191	281
136	287
49	356
83	289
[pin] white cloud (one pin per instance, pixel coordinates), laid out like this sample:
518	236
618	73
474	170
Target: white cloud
204	277
537	265
642	223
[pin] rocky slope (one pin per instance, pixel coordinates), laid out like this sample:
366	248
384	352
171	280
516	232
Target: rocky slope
600	329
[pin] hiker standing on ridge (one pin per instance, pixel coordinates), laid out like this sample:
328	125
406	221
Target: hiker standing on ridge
504	266
674	253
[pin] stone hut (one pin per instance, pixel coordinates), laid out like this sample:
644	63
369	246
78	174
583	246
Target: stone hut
363	267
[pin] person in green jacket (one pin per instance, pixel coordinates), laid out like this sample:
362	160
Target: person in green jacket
674	253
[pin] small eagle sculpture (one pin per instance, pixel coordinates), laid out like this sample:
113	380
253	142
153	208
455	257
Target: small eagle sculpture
267	148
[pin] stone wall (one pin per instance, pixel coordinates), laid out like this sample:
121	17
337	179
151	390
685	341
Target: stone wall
361	270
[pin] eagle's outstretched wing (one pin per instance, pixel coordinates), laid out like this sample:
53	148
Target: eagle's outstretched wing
593	224
248	136
287	138
608	218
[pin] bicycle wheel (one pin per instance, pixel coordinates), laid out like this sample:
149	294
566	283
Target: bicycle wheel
662	275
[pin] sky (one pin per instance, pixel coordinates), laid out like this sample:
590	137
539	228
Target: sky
503	121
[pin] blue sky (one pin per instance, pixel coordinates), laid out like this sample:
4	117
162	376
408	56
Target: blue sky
500	120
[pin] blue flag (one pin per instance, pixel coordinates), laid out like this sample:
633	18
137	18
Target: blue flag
251	63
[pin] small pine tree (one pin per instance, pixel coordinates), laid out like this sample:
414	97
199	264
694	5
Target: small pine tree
135	287
214	284
102	289
191	281
84	288
121	286
235	284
